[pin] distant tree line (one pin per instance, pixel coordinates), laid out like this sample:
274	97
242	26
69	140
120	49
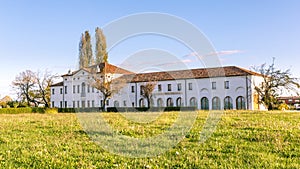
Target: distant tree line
86	56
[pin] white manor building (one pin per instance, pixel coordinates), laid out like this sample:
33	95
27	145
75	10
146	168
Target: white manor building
219	88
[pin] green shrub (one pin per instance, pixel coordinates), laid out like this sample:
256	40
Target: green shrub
283	106
51	111
38	110
15	110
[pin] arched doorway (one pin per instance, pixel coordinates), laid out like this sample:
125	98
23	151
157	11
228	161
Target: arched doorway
240	103
116	104
193	102
179	102
159	102
170	102
142	102
204	103
216	105
228	103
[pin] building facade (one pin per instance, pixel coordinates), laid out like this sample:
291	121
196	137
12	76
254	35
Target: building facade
219	88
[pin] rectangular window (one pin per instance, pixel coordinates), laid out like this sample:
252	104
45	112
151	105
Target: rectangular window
61	90
78	104
132	89
53	91
53	104
226	84
73	104
93	103
169	87
190	86
142	90
179	86
66	89
159	87
124	103
88	88
213	85
74	88
83	104
88	103
107	102
78	88
61	104
66	104
93	90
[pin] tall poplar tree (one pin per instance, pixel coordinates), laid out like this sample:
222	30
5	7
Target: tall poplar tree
82	52
85	50
89	51
100	49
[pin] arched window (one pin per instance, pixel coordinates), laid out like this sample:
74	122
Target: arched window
179	102
116	103
216	105
142	102
170	102
159	102
204	103
193	102
240	103
228	103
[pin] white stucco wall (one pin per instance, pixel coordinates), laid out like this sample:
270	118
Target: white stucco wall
126	98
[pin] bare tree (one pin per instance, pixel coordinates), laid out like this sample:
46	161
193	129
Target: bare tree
25	85
146	92
108	87
44	81
273	80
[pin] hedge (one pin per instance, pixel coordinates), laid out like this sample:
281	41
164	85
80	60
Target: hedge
152	109
28	110
15	110
75	110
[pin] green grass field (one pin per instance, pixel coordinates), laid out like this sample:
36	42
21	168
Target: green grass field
241	140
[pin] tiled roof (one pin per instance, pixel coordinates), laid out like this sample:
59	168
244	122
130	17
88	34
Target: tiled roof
104	67
227	71
58	84
191	74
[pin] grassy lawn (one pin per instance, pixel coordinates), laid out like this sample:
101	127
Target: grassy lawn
241	140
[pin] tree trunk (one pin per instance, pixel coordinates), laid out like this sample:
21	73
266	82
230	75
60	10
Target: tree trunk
104	103
148	103
270	106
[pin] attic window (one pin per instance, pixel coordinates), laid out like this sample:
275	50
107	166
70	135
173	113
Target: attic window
83	73
74	78
66	79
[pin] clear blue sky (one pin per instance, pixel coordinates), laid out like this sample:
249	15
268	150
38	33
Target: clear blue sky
39	35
